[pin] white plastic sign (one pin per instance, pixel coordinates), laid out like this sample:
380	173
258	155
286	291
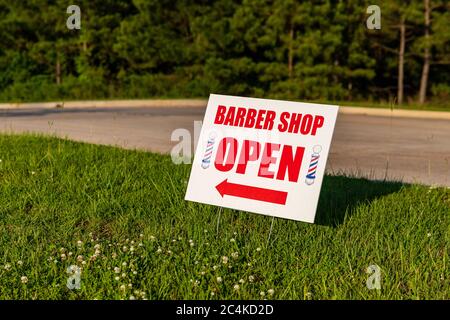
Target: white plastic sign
262	156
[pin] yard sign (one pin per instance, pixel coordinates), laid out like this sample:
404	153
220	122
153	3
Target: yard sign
262	156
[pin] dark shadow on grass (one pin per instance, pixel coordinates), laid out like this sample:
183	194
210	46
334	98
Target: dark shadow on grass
341	194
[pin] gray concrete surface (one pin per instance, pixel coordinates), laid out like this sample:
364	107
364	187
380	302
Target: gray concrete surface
377	147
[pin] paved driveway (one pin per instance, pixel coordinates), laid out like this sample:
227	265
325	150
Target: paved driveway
413	150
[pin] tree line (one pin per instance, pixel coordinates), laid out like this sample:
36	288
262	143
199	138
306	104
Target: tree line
311	50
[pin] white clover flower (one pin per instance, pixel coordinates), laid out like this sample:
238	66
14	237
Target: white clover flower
169	252
20	262
114	255
219	279
212	293
262	293
124	248
159	250
202	273
124	264
140	244
122	287
152	238
130	285
132	298
141	235
241	281
80	258
191	244
62	250
116	270
70	253
232	240
224	259
63	256
258	249
117	278
127	240
215	267
97	252
235	255
83	263
236	287
124	274
33	173
79	243
7	267
135	272
97	246
271	292
251	278
132	241
429	234
132	248
309	295
24	279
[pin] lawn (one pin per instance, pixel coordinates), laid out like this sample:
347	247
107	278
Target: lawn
121	217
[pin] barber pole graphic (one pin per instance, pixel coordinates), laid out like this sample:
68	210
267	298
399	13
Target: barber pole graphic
253	153
311	176
206	161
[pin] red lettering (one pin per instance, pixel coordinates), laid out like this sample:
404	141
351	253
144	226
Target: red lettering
230	145
240	117
295	122
282	127
229	119
318	123
306	124
248	155
267	160
220	114
290	163
250	121
268	124
260	119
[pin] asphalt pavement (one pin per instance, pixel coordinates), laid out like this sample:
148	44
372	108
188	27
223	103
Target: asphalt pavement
377	147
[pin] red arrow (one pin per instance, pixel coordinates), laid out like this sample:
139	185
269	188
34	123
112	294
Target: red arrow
249	192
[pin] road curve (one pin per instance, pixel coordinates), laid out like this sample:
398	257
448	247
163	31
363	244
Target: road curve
393	148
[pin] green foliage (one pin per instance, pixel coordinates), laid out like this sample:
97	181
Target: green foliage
318	50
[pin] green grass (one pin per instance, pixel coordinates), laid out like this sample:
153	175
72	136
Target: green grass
429	106
55	192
